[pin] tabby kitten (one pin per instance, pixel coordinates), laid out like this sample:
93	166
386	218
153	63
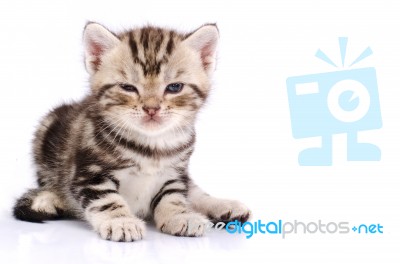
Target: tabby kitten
121	154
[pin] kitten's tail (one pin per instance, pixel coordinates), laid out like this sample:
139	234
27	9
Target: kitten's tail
38	205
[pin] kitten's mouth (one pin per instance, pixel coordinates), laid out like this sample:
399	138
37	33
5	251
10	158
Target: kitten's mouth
152	120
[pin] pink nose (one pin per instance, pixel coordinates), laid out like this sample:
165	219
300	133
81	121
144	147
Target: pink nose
151	110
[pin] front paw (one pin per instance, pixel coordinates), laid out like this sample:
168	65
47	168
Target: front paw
185	224
122	229
227	211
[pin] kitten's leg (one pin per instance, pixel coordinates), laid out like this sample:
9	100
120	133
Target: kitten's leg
106	210
38	205
172	213
217	210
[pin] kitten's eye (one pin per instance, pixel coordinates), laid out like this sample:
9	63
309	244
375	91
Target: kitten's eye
128	87
174	88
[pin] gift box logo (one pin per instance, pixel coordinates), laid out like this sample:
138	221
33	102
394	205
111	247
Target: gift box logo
325	104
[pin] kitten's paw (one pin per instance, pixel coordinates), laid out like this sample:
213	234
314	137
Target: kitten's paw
47	202
227	211
186	224
122	229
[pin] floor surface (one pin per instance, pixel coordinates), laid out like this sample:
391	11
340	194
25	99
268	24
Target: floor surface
70	241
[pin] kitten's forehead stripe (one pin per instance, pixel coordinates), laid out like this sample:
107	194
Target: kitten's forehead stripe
170	45
133	46
153	43
158	41
144	38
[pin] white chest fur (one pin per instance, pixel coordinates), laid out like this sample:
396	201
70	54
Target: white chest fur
138	185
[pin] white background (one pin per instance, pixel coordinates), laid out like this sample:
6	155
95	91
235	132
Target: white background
245	149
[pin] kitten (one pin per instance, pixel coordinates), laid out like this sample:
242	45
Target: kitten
121	154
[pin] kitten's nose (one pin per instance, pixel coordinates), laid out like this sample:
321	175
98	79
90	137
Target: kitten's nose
151	110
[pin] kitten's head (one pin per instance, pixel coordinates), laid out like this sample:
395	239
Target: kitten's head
150	80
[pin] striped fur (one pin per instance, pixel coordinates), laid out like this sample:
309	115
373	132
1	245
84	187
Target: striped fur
121	155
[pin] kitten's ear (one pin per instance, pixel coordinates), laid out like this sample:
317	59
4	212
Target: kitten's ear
204	40
97	40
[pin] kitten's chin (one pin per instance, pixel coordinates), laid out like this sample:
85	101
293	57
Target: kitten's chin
154	126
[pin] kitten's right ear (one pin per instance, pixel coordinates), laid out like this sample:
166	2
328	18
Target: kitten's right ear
97	40
204	40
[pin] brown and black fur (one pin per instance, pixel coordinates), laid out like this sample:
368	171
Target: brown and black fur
121	154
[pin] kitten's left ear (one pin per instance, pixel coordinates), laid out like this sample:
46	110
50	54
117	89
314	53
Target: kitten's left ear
97	41
204	40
